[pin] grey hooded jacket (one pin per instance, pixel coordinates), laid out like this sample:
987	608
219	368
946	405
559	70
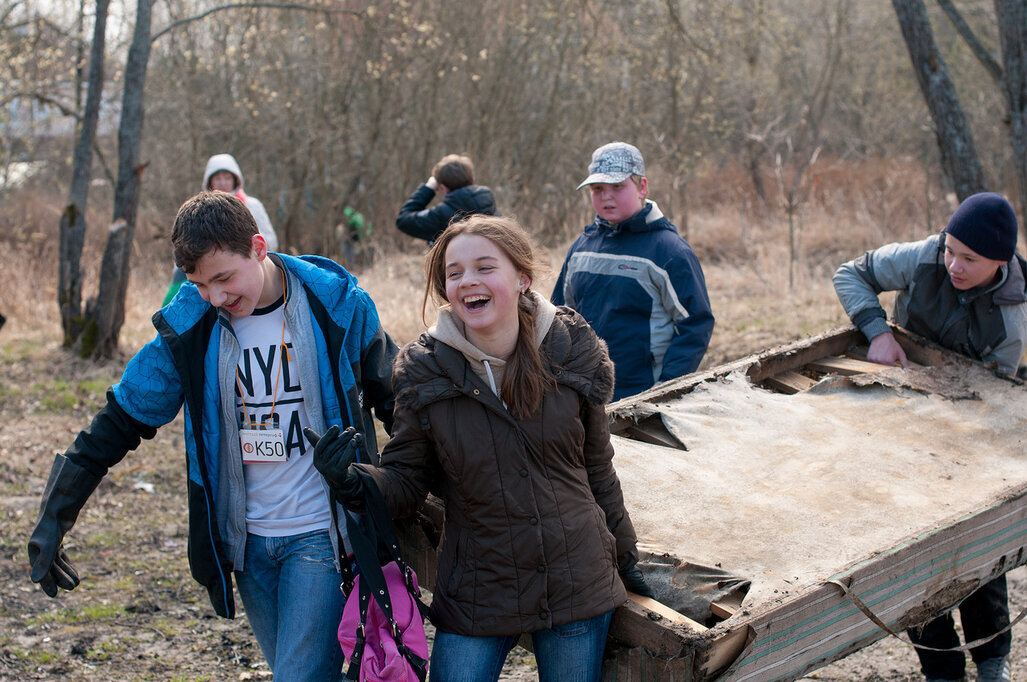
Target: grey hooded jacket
987	323
227	162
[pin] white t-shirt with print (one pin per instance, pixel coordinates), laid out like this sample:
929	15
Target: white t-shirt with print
282	498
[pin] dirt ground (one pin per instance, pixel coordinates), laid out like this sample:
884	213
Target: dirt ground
138	615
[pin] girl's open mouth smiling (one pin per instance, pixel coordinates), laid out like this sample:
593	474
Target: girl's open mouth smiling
476	302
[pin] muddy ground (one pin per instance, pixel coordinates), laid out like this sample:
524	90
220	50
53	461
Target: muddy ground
138	615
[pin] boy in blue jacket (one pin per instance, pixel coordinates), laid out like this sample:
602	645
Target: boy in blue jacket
635	280
257	346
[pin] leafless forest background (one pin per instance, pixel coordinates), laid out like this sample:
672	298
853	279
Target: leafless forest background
771	111
781	136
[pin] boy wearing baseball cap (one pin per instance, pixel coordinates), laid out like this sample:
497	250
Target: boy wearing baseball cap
965	289
634	279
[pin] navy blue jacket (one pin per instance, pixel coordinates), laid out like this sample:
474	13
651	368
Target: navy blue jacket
640	286
416	220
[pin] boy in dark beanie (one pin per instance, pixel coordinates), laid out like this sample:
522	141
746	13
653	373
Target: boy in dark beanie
986	224
965	289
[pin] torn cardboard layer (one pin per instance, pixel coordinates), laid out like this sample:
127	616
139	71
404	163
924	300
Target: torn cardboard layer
785	489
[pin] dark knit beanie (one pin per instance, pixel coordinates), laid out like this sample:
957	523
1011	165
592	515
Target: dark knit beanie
986	223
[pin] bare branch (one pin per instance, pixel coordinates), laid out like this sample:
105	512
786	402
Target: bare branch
251	5
103	163
8	11
65	111
990	64
679	25
42	99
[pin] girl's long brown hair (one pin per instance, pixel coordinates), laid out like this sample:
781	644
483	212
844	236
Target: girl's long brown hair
525	379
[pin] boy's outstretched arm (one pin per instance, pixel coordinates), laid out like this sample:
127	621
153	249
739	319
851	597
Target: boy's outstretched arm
73	478
149	389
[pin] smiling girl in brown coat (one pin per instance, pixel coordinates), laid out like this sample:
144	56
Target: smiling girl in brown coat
500	412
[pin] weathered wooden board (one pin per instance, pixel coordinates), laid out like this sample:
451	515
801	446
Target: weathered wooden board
908	485
789	382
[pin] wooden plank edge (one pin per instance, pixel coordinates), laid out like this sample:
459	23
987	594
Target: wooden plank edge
846	366
922	558
757	366
789	382
789	356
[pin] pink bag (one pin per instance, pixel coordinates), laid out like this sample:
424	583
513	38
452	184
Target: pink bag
385	656
383	637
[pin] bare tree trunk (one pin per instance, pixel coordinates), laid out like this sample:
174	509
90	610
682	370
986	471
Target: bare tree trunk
80	53
1012	27
73	218
971	40
108	313
955	141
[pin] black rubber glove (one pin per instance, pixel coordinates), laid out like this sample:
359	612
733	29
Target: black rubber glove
334	452
67	490
634	581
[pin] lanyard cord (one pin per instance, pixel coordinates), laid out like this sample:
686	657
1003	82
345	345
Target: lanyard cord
278	374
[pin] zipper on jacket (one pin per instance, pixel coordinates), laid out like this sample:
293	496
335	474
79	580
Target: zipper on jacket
237	510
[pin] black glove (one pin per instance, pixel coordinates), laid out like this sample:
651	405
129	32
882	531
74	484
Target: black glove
334	452
633	579
67	490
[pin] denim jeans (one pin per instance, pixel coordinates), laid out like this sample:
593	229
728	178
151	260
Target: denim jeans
290	590
564	653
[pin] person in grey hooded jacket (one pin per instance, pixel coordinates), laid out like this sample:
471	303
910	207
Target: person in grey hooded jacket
223	173
965	289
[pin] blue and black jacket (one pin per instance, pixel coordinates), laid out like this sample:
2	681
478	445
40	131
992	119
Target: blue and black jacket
191	362
417	220
640	286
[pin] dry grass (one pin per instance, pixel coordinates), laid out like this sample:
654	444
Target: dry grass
751	301
743	248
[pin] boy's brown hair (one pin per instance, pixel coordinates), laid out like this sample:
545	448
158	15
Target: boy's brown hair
454	171
211	221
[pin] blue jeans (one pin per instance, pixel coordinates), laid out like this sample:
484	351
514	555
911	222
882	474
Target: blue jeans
565	653
290	590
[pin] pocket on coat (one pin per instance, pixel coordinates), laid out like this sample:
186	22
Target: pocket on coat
452	565
609	542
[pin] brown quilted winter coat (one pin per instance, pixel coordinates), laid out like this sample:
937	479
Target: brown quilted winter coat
535	517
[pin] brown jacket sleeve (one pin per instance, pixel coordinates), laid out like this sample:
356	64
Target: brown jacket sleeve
602	479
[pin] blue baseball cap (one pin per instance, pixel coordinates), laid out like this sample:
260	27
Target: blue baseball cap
613	163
